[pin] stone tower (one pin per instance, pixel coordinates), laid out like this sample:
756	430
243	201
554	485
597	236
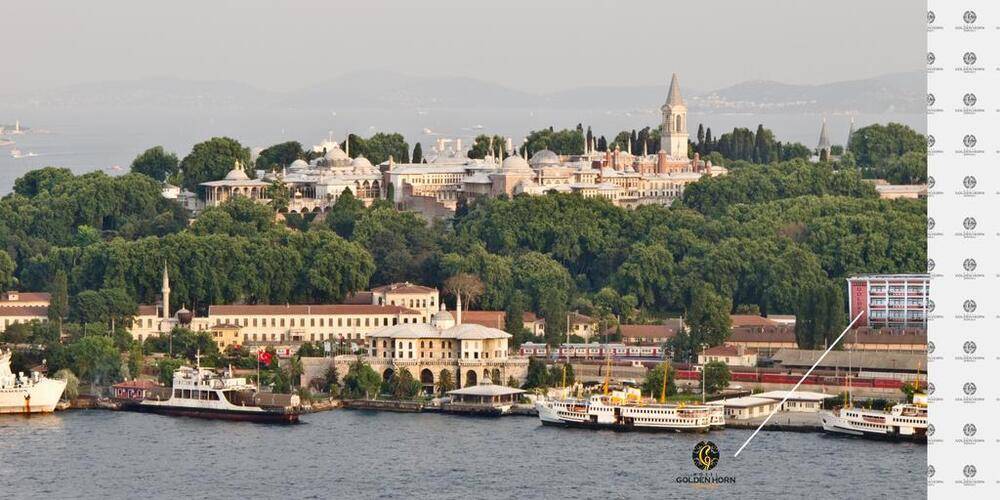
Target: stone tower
824	141
673	133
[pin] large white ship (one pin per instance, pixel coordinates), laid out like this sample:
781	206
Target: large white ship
625	411
906	421
201	392
27	394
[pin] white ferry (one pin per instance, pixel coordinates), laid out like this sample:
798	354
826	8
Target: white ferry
27	394
902	422
202	393
626	411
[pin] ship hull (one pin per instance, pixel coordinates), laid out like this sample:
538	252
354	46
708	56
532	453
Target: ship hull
620	427
836	426
264	417
41	397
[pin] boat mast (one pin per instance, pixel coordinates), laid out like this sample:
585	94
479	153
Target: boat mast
666	372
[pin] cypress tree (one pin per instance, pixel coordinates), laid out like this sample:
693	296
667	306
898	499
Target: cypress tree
418	153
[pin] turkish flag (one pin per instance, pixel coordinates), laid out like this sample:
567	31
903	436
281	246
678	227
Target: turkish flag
264	357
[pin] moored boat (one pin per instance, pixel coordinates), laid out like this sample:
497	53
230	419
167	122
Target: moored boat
626	411
22	393
903	422
203	393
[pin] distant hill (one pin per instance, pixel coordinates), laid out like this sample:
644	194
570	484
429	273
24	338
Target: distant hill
894	93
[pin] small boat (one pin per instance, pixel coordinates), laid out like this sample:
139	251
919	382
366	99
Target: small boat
203	393
27	394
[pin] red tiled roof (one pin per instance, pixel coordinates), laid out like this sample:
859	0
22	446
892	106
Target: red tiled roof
722	350
305	309
778	335
147	310
137	384
24	311
359	298
490	319
645	331
27	297
750	320
887	337
405	288
577	318
529	317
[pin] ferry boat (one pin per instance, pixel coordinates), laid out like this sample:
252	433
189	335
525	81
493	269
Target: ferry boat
905	422
203	393
27	394
625	411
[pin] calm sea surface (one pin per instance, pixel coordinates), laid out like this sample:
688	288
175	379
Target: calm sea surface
351	454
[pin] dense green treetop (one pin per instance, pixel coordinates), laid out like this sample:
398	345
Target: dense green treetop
279	155
156	163
212	160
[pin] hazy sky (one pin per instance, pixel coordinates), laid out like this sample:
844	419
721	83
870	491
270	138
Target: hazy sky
530	45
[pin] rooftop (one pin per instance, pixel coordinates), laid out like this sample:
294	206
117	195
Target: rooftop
318	309
24	311
487	390
405	287
795	396
747	402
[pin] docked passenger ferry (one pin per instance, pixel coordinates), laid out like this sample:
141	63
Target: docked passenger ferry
203	393
626	411
907	421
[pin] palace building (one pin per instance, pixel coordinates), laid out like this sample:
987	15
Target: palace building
23	307
466	353
435	187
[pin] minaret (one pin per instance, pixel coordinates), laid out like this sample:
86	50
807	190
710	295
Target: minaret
458	308
850	133
673	134
347	145
165	290
824	140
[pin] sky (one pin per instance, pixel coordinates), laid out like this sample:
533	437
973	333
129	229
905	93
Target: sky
536	45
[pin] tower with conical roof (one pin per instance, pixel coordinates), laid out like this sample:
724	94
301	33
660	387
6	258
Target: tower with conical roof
824	141
673	132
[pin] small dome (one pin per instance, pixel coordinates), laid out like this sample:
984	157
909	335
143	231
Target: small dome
544	157
237	174
184	316
361	163
300	163
515	163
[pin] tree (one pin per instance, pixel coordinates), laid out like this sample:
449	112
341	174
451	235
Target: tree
361	381
72	389
402	385
212	160
716	376
135	360
514	319
468	286
279	156
484	145
445	382
331	380
166	368
6	271
653	383
876	144
156	163
418	155
538	375
95	358
42	180
557	375
279	195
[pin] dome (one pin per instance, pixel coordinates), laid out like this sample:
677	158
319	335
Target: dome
544	157
237	174
442	319
515	163
299	164
336	154
184	316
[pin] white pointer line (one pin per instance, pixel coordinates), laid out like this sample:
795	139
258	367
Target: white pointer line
782	404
